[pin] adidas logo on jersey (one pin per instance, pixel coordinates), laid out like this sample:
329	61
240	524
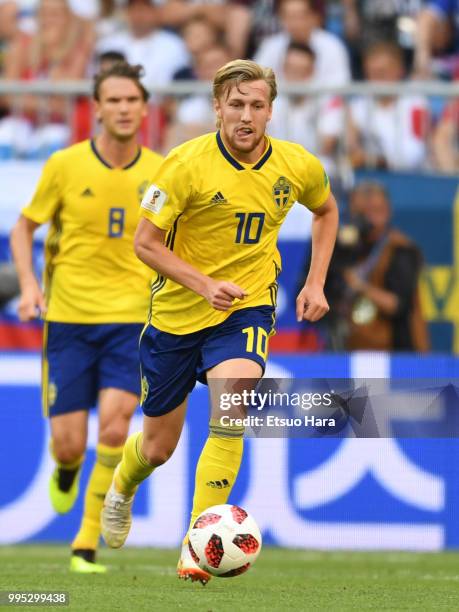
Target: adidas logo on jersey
218	484
218	198
87	193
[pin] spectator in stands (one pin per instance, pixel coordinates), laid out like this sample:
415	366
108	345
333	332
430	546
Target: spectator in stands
161	52
264	23
103	13
370	21
8	27
233	17
108	16
299	20
388	131
315	123
446	140
195	115
8	30
438	33
60	49
372	286
199	34
26	11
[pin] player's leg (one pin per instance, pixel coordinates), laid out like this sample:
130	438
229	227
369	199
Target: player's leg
233	359
220	459
143	452
168	367
116	408
68	389
116	371
150	448
233	356
67	446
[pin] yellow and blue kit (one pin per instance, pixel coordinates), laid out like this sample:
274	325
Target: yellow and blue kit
93	281
223	217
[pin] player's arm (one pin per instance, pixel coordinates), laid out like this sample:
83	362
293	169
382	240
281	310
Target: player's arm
150	248
32	301
311	303
39	210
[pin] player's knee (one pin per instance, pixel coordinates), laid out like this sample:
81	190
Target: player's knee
68	451
157	455
114	434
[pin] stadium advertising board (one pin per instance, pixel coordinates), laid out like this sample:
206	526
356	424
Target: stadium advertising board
374	493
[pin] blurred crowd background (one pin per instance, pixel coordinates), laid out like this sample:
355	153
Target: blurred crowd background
326	43
369	86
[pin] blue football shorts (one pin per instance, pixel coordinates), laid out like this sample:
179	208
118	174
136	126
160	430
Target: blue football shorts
81	359
171	364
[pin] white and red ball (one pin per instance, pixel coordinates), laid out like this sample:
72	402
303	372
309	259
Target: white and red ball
225	540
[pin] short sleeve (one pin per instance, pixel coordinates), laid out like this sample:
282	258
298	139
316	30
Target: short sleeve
316	184
47	196
167	196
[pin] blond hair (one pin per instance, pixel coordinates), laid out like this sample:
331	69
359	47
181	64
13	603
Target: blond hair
243	71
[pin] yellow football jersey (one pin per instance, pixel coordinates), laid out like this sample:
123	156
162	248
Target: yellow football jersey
92	274
223	217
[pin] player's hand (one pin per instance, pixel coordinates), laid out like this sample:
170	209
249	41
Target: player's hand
221	294
311	304
32	302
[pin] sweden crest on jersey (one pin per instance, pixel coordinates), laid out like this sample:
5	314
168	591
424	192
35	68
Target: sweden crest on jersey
281	191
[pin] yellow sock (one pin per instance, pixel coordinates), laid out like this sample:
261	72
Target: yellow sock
107	458
217	468
134	468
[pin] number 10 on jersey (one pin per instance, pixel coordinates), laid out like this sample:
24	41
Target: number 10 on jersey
249	227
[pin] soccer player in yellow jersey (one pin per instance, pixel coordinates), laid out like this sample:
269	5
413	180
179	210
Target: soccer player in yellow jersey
209	228
96	294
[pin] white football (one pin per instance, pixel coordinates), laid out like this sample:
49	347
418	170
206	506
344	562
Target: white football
225	540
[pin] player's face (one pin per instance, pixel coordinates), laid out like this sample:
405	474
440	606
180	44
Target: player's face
121	107
244	112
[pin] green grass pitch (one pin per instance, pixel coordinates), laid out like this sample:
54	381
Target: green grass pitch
144	579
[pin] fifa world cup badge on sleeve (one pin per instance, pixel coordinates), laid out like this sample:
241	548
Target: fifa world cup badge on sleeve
154	199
